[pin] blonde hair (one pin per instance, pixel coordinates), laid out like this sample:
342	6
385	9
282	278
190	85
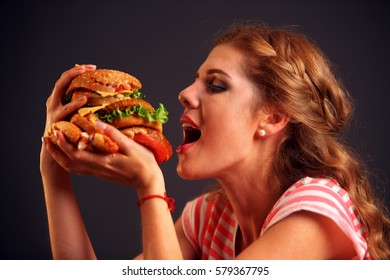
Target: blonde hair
294	76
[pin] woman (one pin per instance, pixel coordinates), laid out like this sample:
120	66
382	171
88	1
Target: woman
263	118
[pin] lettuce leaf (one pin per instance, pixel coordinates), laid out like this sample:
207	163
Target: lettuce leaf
135	94
159	115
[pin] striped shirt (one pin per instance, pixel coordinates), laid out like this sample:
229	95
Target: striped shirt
211	226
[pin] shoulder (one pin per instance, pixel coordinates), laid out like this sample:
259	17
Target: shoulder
325	198
302	235
320	195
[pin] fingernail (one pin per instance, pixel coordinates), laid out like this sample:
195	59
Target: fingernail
55	134
79	66
85	66
101	125
81	98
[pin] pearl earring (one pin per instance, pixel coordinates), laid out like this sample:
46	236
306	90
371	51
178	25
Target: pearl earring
262	132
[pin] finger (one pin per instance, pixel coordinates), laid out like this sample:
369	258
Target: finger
65	79
66	147
49	145
72	107
56	153
67	109
70	157
126	145
118	137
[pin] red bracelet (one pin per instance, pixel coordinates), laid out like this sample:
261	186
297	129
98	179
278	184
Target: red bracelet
170	201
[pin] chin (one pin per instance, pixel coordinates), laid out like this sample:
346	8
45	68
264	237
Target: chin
191	172
183	172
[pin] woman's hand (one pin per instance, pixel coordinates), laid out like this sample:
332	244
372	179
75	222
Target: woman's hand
56	111
133	165
68	236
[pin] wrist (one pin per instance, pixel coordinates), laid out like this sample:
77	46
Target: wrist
152	184
50	169
155	192
157	188
169	200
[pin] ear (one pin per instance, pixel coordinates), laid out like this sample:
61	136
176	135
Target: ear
273	122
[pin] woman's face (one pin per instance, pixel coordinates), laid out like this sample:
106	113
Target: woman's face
219	124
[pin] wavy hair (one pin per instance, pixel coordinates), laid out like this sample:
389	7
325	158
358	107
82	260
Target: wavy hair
294	76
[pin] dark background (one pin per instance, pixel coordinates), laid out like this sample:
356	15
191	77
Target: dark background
162	43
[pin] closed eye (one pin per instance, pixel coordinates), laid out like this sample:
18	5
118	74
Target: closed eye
215	88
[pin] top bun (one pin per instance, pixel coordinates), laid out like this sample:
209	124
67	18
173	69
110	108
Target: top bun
105	80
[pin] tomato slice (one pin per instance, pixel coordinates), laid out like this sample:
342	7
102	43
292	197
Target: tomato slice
161	153
120	88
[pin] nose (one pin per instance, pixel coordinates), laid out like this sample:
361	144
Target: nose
188	97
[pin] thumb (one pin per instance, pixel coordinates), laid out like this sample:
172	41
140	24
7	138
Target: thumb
118	137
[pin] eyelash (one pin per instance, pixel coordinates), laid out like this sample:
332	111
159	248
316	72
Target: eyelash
215	88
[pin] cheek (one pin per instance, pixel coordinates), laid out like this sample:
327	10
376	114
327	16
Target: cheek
232	126
230	141
225	141
214	154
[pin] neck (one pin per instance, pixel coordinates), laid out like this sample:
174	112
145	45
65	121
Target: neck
251	200
247	188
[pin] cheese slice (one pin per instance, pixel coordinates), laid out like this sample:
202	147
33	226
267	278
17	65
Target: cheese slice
86	110
106	94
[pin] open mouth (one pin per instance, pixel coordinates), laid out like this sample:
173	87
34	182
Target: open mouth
191	134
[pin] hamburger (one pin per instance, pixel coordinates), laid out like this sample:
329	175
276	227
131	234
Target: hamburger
113	97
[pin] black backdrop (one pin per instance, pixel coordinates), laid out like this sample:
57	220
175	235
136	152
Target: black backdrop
162	43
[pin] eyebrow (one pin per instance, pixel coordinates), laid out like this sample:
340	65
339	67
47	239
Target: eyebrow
214	71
